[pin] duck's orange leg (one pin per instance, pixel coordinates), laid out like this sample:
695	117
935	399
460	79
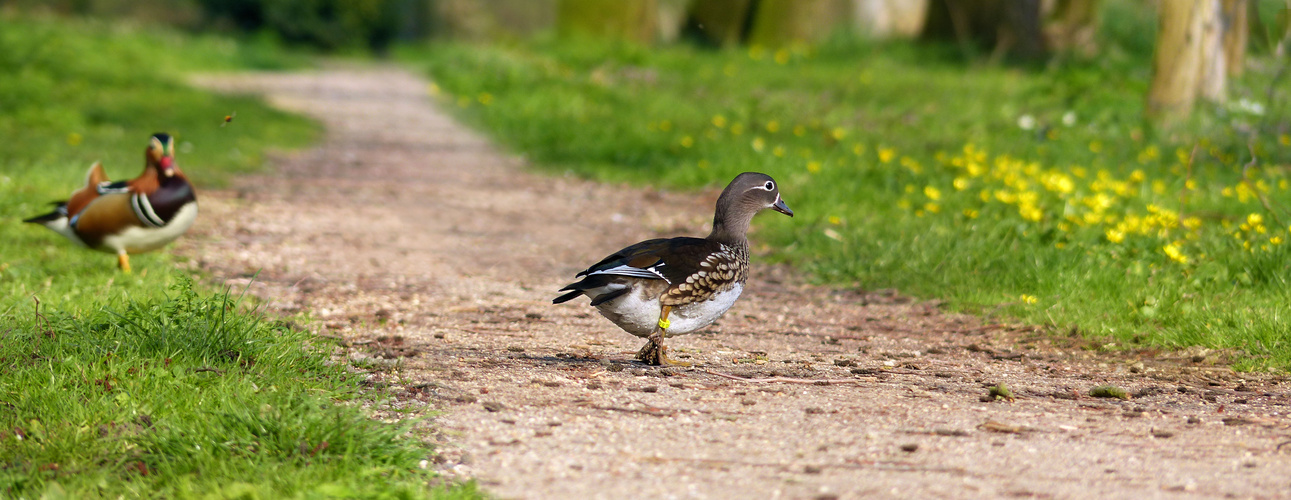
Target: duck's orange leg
655	353
123	260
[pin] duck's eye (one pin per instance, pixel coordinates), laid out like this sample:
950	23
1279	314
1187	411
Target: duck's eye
769	186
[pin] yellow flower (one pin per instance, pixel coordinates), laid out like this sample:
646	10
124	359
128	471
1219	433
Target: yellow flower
757	52
665	125
838	133
1172	251
1149	153
1284	139
860	148
687	141
970	213
932	207
813	167
703	164
781	56
799	131
887	154
759	144
485	98
1115	236
1192	223
932	193
1137	176
1254	219
1096	146
1276	240
773	126
1191	185
432	89
778	151
835	220
73	139
719	121
737	129
960	183
1028	299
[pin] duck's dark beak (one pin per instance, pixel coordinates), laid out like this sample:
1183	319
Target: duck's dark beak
779	206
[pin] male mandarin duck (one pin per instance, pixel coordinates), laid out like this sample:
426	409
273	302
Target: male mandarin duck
125	217
672	286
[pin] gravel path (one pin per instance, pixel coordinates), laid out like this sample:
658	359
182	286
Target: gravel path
435	257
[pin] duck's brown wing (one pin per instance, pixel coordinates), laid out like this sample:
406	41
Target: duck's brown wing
675	261
105	215
87	193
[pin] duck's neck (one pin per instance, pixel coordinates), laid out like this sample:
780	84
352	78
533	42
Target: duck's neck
728	230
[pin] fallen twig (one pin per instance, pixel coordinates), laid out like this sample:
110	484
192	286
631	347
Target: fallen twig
208	369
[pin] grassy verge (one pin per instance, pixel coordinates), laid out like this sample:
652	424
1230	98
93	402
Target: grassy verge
142	385
1038	193
189	395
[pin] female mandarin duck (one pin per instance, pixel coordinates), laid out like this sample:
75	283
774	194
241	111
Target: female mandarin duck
133	216
664	287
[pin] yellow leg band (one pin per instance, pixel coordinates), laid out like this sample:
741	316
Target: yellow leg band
663	323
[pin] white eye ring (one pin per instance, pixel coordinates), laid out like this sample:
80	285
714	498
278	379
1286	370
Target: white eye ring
769	186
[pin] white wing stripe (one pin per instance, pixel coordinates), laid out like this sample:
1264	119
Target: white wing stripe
626	270
143	209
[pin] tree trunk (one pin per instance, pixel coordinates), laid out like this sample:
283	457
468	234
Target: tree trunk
635	20
781	22
722	22
1214	71
472	20
1178	64
671	15
1006	26
1236	35
890	19
1072	26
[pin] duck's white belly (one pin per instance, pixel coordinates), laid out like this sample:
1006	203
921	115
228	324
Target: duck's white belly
146	239
640	316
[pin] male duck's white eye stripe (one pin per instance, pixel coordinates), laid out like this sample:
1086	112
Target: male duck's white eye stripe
143	209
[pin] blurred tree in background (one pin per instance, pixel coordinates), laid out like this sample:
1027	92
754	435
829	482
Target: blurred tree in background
1200	43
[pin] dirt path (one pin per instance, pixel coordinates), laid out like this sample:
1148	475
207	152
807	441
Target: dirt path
436	257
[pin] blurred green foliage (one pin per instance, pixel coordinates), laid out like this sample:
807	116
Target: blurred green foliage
329	24
332	25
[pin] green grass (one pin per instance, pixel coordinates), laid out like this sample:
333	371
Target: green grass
143	385
1036	193
189	395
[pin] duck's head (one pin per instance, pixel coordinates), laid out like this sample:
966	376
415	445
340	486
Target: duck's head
752	192
744	197
161	154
